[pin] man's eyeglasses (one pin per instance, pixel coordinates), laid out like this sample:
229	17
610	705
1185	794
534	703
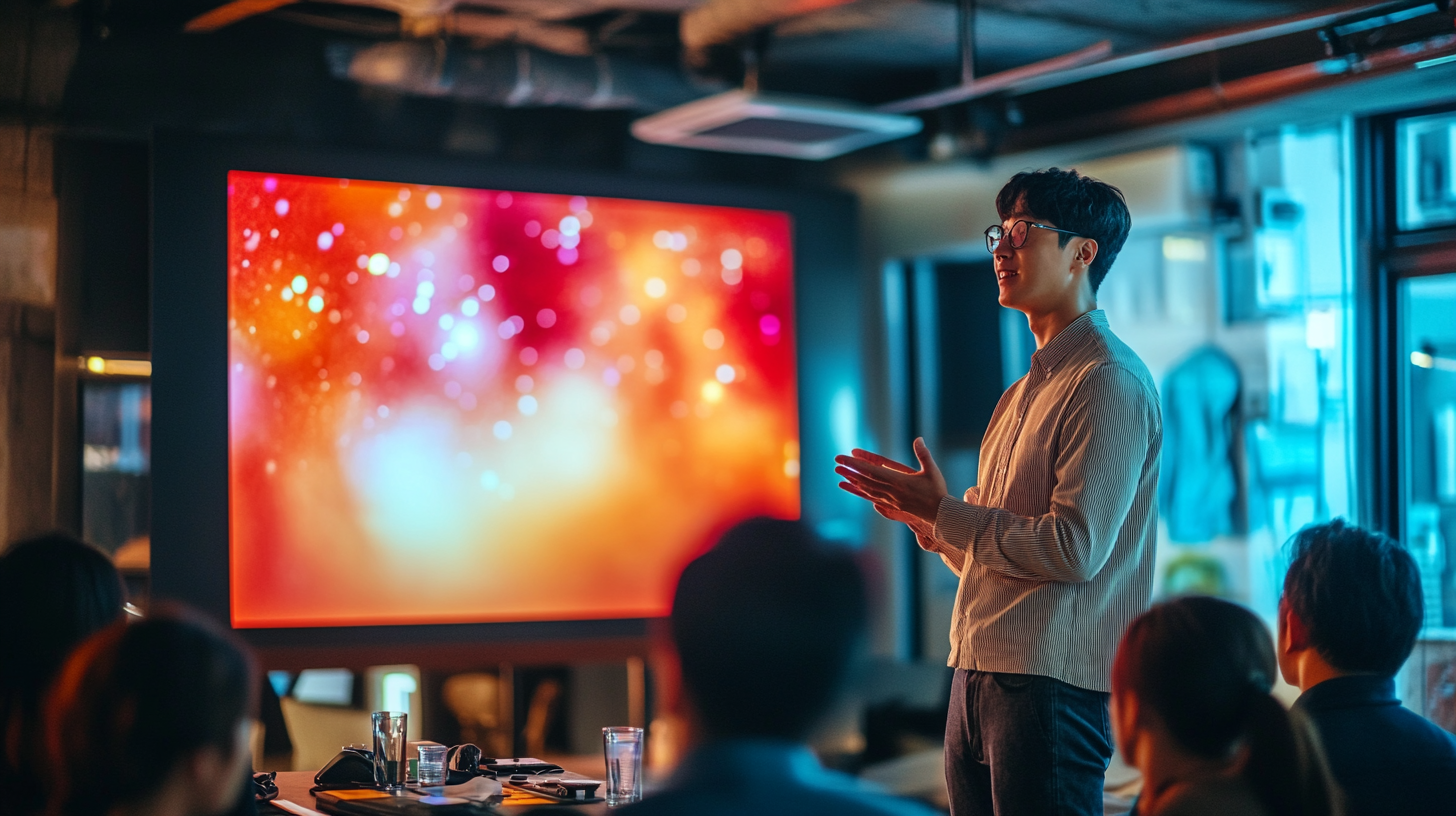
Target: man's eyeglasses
1017	234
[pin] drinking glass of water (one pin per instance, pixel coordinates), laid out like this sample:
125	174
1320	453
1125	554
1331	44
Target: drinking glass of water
390	767
623	747
432	764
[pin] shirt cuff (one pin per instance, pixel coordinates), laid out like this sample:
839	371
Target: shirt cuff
956	522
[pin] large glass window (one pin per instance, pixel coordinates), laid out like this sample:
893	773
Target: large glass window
1426	171
1428	337
1423	316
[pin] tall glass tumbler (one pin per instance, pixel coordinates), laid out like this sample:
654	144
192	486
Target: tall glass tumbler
390	741
623	747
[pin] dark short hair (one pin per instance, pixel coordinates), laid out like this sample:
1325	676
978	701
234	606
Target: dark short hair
767	624
1359	594
55	591
1071	201
144	696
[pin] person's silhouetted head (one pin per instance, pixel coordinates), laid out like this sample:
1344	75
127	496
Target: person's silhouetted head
1355	596
151	717
1194	675
55	591
767	625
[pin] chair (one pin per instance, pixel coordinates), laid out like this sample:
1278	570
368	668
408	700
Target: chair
475	700
539	716
318	732
257	733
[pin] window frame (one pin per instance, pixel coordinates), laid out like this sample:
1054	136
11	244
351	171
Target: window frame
1387	257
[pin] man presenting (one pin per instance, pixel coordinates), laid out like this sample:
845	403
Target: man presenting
1054	546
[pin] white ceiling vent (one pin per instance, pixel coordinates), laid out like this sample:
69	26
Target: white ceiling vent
772	124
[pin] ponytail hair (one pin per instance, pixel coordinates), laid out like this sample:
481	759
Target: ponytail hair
1285	764
1206	667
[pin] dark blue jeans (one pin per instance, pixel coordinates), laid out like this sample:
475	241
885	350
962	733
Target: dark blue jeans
1025	745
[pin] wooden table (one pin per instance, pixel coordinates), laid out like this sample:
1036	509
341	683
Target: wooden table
294	786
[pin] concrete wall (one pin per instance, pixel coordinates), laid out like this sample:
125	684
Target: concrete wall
27	330
37	48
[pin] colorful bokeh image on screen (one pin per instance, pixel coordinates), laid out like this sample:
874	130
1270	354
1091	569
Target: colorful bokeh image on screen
460	405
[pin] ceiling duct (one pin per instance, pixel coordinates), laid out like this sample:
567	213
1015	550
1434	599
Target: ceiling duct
515	76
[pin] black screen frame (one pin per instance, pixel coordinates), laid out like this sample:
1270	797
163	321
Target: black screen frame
190	530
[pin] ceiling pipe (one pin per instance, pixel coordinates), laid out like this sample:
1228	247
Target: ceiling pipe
493	29
997	82
717	22
1092	62
966	40
229	13
971	88
1219	97
1209	44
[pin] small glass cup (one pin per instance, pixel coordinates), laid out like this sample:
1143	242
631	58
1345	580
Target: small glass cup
623	750
432	765
390	741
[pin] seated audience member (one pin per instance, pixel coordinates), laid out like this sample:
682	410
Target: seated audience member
767	626
1349	618
55	591
151	718
1191	709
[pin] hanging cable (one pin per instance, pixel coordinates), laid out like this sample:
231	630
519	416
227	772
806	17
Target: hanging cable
967	41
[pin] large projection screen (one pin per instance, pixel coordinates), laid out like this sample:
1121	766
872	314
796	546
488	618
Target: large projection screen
457	405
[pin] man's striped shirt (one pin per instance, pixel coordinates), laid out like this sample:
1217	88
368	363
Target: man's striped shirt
1054	547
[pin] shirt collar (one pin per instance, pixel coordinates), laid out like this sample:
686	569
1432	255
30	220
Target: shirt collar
1349	692
1054	352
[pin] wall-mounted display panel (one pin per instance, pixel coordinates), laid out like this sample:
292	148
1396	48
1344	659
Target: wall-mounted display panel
454	405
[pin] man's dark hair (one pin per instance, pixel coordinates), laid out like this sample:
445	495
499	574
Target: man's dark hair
1359	594
1071	201
767	624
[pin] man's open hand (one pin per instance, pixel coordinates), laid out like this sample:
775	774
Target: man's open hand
898	493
